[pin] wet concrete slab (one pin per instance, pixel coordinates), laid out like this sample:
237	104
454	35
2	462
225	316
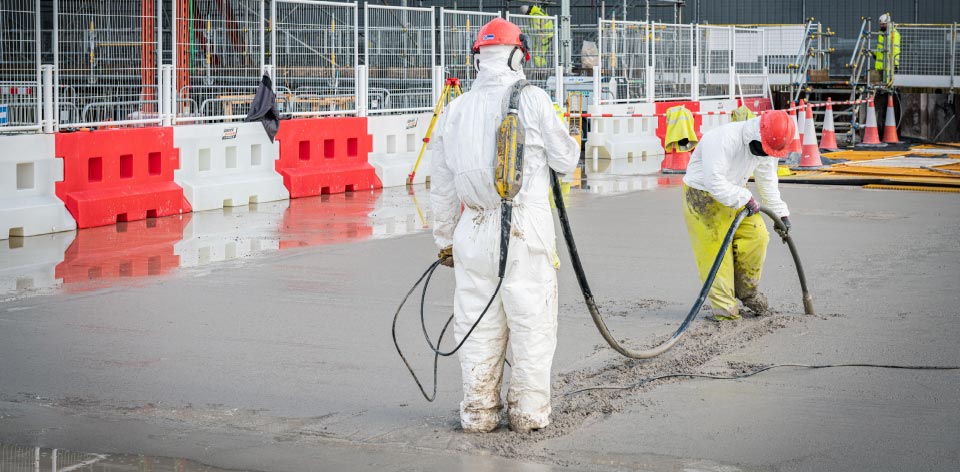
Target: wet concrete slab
271	361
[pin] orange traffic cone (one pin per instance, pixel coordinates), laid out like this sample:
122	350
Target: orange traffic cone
890	124
793	155
828	137
810	157
801	112
870	135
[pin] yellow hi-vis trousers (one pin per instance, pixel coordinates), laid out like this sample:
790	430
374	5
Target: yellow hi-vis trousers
739	274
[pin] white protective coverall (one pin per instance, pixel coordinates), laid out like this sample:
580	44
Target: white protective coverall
722	164
525	310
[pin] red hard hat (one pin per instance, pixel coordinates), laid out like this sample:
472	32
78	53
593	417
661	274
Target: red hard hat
776	132
500	31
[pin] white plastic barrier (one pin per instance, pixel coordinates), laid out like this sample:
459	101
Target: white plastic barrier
29	171
29	265
722	108
628	138
396	144
231	233
226	165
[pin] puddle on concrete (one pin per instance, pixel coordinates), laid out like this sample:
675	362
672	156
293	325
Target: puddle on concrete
96	258
41	459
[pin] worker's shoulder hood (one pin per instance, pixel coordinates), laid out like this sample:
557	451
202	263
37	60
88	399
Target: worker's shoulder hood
495	72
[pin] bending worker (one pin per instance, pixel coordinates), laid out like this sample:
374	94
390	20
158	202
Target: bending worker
715	190
525	310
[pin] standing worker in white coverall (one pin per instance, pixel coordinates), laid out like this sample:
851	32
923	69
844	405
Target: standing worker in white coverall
525	310
715	190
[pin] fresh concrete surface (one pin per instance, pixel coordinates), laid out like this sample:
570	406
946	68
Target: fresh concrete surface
284	361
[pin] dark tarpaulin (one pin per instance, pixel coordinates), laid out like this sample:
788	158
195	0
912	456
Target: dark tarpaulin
264	108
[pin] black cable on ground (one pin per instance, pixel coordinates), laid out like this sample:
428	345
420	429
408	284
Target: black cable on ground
705	289
762	369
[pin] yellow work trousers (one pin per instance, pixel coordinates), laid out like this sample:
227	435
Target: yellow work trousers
739	275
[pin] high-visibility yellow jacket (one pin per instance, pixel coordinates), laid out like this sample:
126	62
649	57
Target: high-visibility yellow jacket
542	35
881	39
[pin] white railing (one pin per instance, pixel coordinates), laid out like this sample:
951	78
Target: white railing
219	54
400	51
114	65
108	57
20	77
314	56
928	56
458	30
544	46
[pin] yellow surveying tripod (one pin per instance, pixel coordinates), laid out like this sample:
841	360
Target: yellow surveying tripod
451	90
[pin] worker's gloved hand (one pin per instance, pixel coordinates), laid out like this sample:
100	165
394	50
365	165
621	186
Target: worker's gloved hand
783	232
786	223
446	256
752	207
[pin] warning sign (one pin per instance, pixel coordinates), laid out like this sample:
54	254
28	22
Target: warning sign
3	114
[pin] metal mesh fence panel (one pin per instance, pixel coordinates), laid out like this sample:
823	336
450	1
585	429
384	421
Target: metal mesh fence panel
542	31
314	52
925	50
714	58
219	51
748	50
399	58
625	51
458	30
107	62
583	61
781	43
673	60
19	65
19	459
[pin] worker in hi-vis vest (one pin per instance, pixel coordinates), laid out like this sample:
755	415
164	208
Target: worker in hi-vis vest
887	30
542	34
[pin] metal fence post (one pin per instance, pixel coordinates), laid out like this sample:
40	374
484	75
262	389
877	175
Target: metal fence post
732	74
559	75
360	77
651	67
49	118
597	88
953	56
696	53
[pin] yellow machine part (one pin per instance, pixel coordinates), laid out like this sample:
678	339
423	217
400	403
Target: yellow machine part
509	171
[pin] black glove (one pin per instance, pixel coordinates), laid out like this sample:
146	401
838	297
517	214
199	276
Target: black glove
786	223
446	256
752	207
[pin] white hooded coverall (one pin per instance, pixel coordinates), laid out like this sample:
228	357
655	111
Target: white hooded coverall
525	310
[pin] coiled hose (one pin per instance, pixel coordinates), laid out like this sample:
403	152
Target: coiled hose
692	315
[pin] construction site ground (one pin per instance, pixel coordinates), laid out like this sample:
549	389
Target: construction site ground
283	361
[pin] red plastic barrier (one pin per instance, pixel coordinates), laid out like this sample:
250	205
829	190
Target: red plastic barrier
755	104
134	249
676	161
320	156
328	219
662	107
119	175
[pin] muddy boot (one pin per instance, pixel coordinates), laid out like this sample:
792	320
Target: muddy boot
522	423
757	303
720	314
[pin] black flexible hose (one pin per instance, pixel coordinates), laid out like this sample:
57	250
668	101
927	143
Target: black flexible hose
505	228
692	314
